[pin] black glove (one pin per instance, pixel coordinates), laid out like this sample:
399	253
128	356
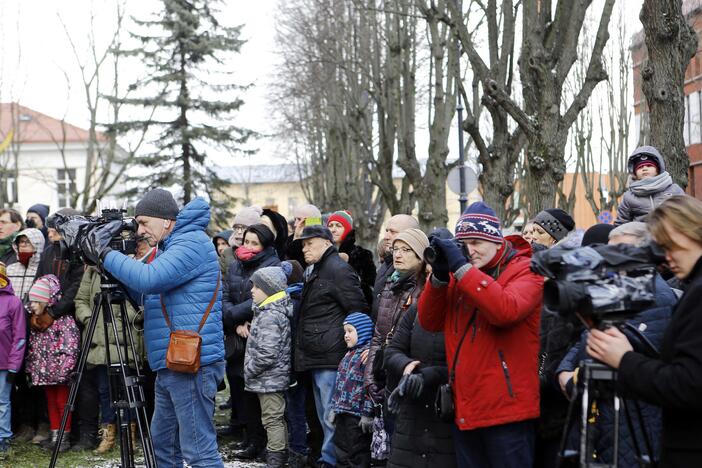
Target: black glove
411	386
11	377
452	252
394	399
95	243
439	267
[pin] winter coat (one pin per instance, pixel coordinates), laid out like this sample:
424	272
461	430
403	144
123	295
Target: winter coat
637	203
89	288
53	353
674	380
394	301
501	347
293	251
349	394
420	438
362	262
13	330
331	292
20	276
385	269
267	359
7	254
185	275
69	273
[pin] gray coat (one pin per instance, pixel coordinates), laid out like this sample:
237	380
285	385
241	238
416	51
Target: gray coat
267	359
643	197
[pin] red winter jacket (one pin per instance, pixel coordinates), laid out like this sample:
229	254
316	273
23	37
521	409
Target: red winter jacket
496	380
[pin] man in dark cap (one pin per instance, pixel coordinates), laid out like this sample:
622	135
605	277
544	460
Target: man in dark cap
332	290
183	283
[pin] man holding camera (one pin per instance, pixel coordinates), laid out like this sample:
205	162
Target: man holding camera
182	282
484	297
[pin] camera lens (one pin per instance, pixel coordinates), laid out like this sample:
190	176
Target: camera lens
430	255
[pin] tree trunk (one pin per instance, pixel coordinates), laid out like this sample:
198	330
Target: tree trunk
670	43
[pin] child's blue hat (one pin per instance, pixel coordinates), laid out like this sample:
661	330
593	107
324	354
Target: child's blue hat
363	325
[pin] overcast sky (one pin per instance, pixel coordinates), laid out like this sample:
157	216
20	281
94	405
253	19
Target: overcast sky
36	60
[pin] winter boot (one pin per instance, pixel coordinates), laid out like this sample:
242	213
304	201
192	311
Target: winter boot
108	433
25	433
297	460
42	434
276	459
65	443
50	441
87	441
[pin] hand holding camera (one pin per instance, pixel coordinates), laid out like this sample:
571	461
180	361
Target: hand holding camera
95	244
444	256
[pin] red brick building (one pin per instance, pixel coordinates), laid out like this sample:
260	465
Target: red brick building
693	96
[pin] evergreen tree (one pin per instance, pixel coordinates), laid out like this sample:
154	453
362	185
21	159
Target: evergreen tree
188	97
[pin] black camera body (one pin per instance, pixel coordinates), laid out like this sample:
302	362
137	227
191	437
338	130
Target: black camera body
599	284
431	255
74	228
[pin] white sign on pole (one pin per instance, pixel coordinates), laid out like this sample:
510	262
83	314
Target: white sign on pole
454	180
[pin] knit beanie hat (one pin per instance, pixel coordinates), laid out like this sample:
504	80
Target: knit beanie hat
293	270
344	218
270	280
479	221
597	234
158	203
248	216
41	210
264	234
556	222
363	325
416	239
46	289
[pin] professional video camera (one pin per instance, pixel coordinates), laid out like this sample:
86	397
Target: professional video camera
75	228
606	283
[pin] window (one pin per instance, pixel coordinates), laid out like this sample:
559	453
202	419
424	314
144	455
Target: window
686	128
66	185
695	136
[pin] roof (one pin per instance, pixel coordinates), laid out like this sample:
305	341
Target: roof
31	126
275	173
689	7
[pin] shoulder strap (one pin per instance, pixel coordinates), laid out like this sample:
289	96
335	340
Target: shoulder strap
207	311
460	344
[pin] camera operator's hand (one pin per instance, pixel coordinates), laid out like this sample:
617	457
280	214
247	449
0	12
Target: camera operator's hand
452	253
95	244
608	346
439	267
563	379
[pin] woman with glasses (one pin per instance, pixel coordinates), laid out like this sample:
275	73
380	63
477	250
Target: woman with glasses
28	246
401	291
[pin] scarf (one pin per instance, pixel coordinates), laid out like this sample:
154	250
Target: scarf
397	276
245	253
650	185
24	258
6	244
504	254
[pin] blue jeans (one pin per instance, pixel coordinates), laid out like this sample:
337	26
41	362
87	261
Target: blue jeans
505	446
5	409
183	424
323	382
295	414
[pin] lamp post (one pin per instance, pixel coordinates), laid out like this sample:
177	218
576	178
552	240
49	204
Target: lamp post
463	196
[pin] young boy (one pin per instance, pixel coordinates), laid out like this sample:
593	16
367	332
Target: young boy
267	358
13	336
352	406
649	185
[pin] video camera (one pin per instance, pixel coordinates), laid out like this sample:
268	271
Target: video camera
605	283
74	228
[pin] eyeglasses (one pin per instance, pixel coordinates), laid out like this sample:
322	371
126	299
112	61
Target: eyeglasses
401	250
24	242
239	228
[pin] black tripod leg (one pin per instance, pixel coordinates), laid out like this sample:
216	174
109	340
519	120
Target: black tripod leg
570	420
76	379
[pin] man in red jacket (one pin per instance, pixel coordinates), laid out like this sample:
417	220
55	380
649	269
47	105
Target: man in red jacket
486	300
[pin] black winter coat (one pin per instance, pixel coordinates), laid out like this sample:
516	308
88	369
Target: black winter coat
332	291
362	262
70	274
384	271
420	438
674	381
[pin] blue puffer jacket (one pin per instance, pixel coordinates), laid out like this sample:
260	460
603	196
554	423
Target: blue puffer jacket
186	275
651	323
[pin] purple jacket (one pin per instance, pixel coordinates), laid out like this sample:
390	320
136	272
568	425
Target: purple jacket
13	330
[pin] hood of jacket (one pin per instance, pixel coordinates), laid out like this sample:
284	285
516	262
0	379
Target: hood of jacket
650	151
35	237
195	216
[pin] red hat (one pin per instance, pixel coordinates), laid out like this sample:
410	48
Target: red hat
645	163
344	218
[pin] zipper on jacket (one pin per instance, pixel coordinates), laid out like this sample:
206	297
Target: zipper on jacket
506	372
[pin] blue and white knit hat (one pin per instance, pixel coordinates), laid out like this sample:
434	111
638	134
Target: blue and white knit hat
363	325
479	221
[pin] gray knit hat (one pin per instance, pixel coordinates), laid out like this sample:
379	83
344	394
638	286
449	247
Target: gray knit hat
248	215
416	239
158	203
270	280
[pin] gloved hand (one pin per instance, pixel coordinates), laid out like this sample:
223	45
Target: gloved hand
95	243
11	377
331	417
452	252
366	424
411	386
394	400
439	268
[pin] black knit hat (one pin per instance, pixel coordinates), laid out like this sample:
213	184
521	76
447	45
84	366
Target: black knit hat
556	222
265	236
597	234
158	203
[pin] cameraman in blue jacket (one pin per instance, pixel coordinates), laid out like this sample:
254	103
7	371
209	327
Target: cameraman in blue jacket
185	275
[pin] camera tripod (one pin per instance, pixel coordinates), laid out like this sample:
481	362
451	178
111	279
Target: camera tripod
600	380
125	383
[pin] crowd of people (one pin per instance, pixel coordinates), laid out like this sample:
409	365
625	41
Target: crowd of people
434	350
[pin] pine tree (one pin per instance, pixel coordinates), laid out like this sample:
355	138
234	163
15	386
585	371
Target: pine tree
183	52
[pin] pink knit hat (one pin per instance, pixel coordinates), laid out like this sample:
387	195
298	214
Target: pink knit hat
46	289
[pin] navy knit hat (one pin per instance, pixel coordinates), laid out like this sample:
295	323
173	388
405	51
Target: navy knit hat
40	209
479	221
363	325
158	203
